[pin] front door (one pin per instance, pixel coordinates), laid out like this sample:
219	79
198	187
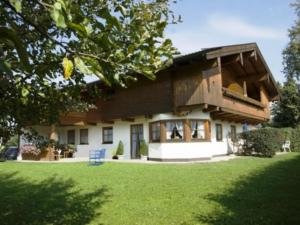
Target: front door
137	135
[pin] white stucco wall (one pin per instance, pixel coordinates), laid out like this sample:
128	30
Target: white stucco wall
121	132
194	150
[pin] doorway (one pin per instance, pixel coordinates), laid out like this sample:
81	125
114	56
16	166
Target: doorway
136	136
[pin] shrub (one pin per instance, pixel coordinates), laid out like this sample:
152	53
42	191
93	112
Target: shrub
295	139
263	142
143	148
120	149
2	159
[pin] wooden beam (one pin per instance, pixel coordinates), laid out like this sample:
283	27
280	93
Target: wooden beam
81	123
128	119
219	64
245	88
230	59
211	108
241	59
107	121
148	116
232	94
251	78
238	119
92	123
188	107
230	50
243	114
250	59
254	55
243	68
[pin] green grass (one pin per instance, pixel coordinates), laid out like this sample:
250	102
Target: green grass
242	191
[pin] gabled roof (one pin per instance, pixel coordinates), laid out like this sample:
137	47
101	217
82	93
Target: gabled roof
223	51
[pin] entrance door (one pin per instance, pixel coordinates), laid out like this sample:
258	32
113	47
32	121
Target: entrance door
137	135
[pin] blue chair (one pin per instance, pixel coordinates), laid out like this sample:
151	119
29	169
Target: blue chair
96	157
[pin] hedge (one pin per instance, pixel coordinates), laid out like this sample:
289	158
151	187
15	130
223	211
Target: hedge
266	142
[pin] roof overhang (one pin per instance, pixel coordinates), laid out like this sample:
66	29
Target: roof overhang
234	51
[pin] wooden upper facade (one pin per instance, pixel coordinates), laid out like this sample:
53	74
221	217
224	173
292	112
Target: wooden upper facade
233	83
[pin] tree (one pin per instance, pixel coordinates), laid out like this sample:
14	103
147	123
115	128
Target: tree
287	111
291	54
116	40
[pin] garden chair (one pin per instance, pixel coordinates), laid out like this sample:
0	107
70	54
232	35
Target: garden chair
286	147
96	157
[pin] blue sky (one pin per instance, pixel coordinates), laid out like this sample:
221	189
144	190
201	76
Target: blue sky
208	23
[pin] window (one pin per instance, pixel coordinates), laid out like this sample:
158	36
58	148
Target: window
84	136
233	132
107	135
71	137
197	129
155	131
245	127
174	130
219	131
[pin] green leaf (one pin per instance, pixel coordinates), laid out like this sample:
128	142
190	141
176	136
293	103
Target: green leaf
80	65
9	34
97	70
105	14
58	17
5	68
17	4
41	94
79	28
68	67
57	5
122	10
25	92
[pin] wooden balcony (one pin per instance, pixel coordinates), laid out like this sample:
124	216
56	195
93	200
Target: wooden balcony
239	97
238	108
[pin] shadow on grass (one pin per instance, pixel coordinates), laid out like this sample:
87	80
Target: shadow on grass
51	201
271	196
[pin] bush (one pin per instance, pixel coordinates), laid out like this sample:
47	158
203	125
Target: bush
120	149
263	142
292	134
143	148
295	139
2	159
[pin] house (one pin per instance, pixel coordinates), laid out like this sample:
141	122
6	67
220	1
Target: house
190	112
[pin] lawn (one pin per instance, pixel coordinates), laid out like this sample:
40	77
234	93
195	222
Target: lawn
242	191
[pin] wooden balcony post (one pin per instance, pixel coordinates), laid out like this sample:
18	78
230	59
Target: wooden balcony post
245	88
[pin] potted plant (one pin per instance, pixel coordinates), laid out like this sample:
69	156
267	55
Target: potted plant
71	149
143	150
114	154
120	150
30	152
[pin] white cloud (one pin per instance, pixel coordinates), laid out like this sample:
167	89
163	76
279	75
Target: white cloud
220	29
235	26
190	41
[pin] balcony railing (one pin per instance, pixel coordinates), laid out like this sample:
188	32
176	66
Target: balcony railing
232	94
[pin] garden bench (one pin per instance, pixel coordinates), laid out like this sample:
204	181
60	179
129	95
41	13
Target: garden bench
286	146
96	157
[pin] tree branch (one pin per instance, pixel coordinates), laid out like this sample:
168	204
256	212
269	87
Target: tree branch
45	34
